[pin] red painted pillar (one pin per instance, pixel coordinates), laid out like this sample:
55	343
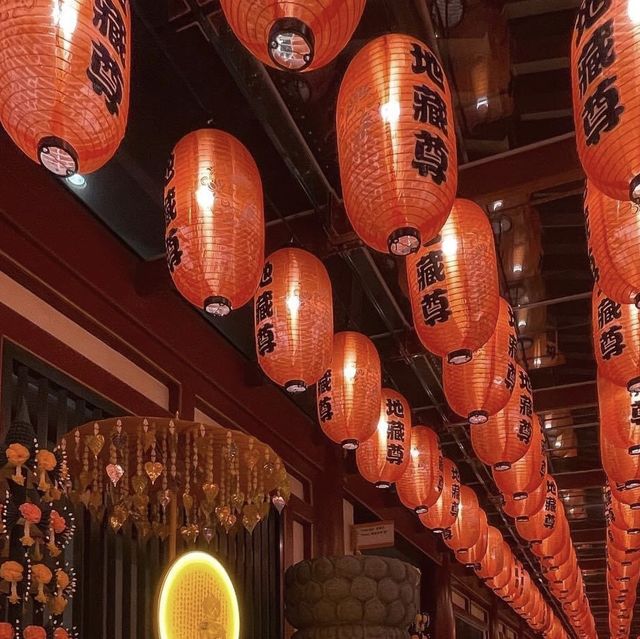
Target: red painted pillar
445	625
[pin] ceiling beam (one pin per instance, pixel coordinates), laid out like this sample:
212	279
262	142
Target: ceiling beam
526	8
566	396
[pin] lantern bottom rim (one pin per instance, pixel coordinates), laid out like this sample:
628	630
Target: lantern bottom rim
57	156
291	44
420	510
461	356
635	506
632	483
382	484
634	190
522	518
295	386
633	385
478	417
404	241
217	305
349	444
502	465
634	450
519	496
438	531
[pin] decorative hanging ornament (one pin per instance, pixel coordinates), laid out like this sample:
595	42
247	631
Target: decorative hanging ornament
443	513
616	340
613	238
65	66
491	564
294	319
384	457
455	304
294	36
619	415
606	97
349	392
620	466
422	482
524	508
507	436
482	387
214	217
540	525
396	144
465	531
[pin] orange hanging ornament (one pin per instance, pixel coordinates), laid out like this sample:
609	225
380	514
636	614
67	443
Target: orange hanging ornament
482	387
293	36
507	436
384	457
465	531
396	144
214	218
294	319
349	392
491	563
620	466
613	238
64	97
619	414
616	341
523	508
422	482
443	513
473	555
455	304
540	525
629	496
606	96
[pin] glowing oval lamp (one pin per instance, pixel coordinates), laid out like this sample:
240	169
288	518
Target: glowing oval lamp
197	593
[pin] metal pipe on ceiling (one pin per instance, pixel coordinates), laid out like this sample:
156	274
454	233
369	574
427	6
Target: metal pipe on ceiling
556	300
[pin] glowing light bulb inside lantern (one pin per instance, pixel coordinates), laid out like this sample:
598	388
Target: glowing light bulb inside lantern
205	197
390	111
633	11
450	246
65	16
293	303
349	371
414	452
522	323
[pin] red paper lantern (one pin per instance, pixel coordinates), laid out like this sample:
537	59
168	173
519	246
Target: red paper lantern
473	555
455	304
613	235
65	67
465	531
491	563
504	576
422	482
349	393
214	221
294	319
552	545
524	508
443	513
616	341
606	96
621	515
483	386
294	36
384	457
507	436
396	144
629	496
620	466
525	475
540	525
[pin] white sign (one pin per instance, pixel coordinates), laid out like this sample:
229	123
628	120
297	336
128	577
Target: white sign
379	534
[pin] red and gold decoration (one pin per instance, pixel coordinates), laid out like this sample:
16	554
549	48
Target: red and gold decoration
396	144
294	319
616	341
214	218
64	98
613	236
151	472
506	437
455	303
482	387
350	391
421	484
384	457
294	36
605	96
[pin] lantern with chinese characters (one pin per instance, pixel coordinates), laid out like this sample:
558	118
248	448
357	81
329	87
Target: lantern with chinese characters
527	473
214	220
293	36
505	438
524	508
619	414
621	515
65	67
443	513
606	96
396	144
384	457
422	482
472	555
629	496
553	544
616	340
294	319
349	393
465	531
455	301
491	564
482	386
620	466
613	235
540	525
